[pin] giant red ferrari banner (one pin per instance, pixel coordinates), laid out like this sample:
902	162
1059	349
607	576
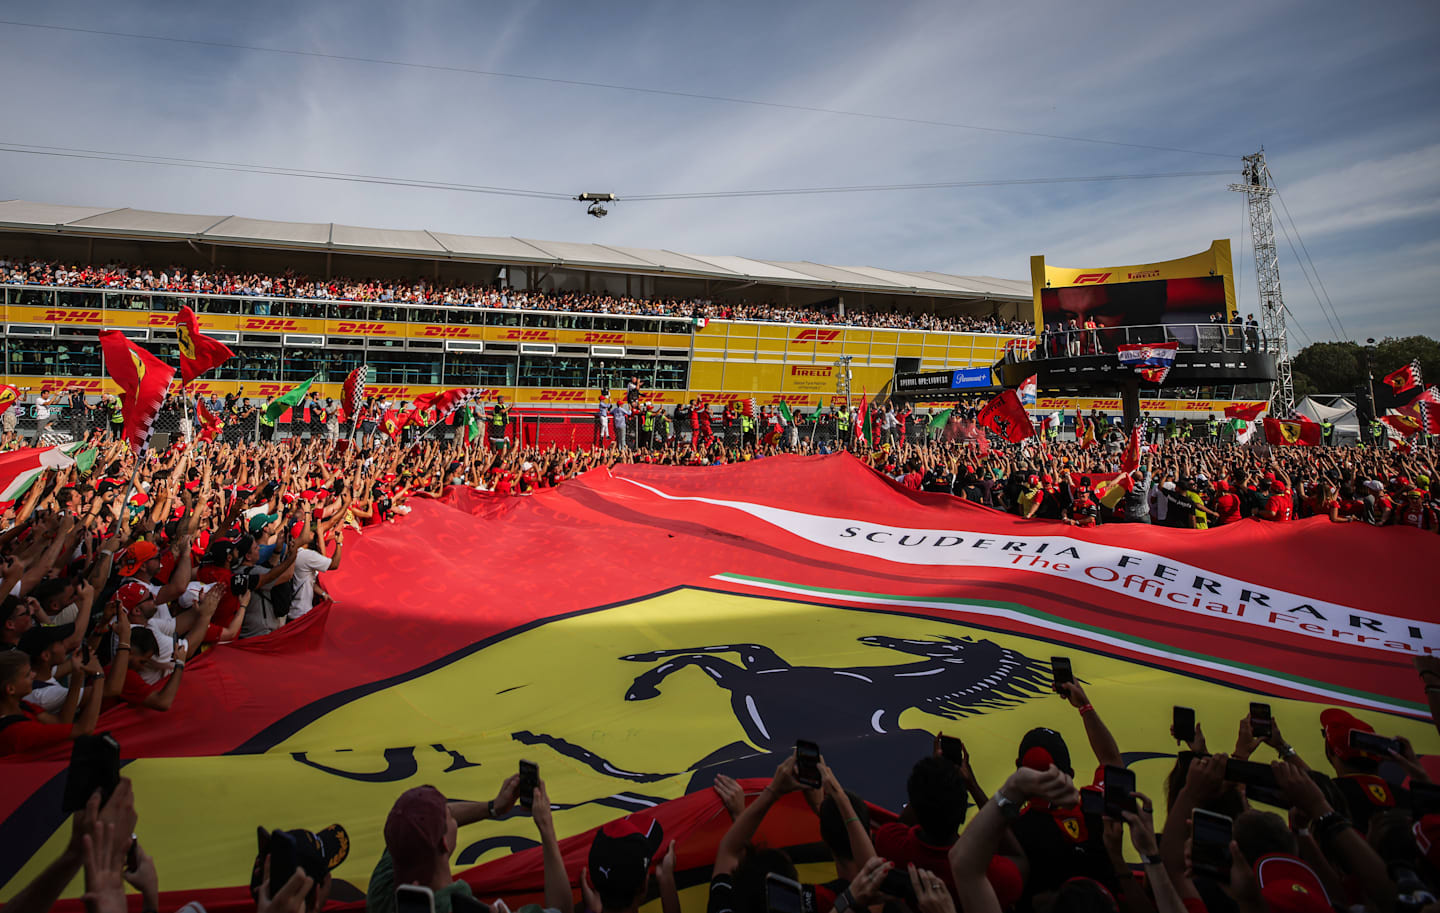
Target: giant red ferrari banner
636	632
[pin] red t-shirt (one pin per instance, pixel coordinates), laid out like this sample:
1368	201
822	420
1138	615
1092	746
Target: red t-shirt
229	602
136	689
1281	506
1228	507
902	845
23	733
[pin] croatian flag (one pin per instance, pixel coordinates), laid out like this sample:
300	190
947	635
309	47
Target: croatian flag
1153	361
1027	390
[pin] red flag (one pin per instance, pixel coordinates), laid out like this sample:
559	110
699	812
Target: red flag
1430	416
143	381
1292	432
353	392
394	422
8	397
210	424
1402	424
1246	412
198	353
1130	459
1005	416
1405	378
862	419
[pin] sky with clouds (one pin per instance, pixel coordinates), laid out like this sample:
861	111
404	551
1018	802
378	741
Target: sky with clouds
1341	95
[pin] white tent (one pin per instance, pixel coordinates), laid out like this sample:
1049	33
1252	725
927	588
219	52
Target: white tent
1341	411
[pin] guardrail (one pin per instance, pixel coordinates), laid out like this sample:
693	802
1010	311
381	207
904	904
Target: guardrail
1191	337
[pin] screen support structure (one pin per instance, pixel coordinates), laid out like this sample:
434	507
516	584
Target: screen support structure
1258	188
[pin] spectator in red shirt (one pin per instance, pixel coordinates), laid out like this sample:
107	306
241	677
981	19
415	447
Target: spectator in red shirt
1227	504
134	656
1279	508
20	728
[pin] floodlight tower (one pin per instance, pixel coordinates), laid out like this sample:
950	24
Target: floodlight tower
1258	189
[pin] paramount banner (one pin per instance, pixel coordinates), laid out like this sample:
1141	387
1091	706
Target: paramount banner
480	631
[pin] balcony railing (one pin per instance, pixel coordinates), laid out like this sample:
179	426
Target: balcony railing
1192	337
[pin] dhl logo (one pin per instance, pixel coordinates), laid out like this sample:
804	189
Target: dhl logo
84	383
367	329
527	335
1090	278
271	324
58	315
396	392
819	337
562	396
724	397
615	338
810	371
435	332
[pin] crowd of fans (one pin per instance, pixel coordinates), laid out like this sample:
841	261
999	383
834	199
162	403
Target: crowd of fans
1253	830
112	590
121	277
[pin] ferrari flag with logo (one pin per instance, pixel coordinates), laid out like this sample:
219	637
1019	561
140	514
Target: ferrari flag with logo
198	353
1292	432
1006	417
143	379
794	597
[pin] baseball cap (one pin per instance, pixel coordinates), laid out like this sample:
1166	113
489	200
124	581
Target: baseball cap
133	594
1374	485
621	854
38	637
1042	747
316	852
415	831
1277	485
260	521
136	555
1290	886
1337	725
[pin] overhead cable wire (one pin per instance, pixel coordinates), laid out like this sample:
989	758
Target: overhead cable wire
1306	251
617	87
286	171
1306	273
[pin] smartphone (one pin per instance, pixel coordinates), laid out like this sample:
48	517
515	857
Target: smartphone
1250	773
529	782
94	764
807	764
413	898
1210	845
897	884
1262	725
952	749
1183	721
1424	799
1119	784
782	895
284	857
1372	743
1064	675
1092	801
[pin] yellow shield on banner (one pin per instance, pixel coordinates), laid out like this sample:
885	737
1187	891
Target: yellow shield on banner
631	705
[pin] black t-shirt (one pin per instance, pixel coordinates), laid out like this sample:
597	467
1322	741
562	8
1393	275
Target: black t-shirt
1063	844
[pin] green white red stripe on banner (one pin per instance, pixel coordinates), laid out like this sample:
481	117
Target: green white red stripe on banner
1238	673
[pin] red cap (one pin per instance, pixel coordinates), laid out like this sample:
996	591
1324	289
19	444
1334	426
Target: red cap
415	833
1277	485
1337	724
1290	886
1037	758
136	555
1427	837
132	595
1222	485
1047	479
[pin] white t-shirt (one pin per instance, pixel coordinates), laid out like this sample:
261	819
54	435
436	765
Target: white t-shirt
308	565
49	696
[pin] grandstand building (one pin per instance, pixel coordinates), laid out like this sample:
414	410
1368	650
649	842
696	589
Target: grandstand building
536	358
531	356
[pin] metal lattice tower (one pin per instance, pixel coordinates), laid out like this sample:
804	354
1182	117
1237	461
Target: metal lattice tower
1258	189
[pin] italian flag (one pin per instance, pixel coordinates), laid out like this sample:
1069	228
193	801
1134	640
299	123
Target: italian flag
20	468
699	322
286	401
785	413
466	418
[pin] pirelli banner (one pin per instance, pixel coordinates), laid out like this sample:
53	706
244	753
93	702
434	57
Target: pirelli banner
1189	290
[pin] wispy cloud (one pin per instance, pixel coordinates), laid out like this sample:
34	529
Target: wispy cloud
1335	92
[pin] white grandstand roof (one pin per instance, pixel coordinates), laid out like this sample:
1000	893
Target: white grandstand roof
91	221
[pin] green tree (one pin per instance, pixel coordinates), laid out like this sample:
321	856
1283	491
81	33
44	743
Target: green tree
1329	367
